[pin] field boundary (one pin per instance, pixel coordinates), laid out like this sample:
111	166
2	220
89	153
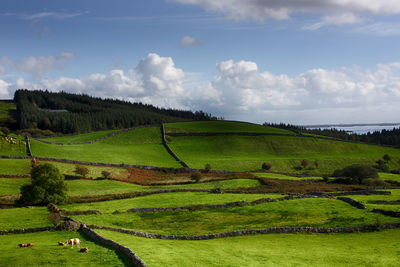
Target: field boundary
389	213
133	258
15	175
272	230
27	230
169	150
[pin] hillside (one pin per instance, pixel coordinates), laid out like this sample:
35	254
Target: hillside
70	113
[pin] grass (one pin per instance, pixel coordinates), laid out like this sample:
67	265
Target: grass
46	251
221	126
284	177
8	148
164	200
15	166
358	249
301	212
389	176
17	218
11	186
242	153
140	146
367	200
79	137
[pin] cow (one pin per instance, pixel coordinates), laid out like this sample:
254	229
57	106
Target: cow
85	250
72	242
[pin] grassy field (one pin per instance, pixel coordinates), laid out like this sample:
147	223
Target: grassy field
12	148
302	212
140	146
389	176
164	200
15	166
10	186
221	126
284	177
79	137
393	197
46	251
17	218
359	249
242	153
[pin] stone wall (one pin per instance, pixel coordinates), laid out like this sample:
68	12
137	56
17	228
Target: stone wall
27	230
390	213
15	175
169	149
386	202
274	230
354	203
133	258
28	146
14	157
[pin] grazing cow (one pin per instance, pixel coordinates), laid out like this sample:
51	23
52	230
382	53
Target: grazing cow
26	245
30	245
22	245
85	250
72	242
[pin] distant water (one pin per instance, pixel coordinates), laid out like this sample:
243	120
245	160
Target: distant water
358	129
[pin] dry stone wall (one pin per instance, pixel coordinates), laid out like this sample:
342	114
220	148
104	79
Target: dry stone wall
27	230
390	213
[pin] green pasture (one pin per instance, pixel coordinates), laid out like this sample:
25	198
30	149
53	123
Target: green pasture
17	218
284	177
140	146
242	153
221	126
367	200
11	186
8	148
301	212
15	166
46	251
389	176
177	199
358	249
79	137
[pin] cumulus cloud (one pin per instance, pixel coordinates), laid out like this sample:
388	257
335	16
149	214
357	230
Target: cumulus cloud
240	90
187	41
39	66
258	10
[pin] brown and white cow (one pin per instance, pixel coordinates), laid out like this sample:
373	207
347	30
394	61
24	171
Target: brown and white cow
72	242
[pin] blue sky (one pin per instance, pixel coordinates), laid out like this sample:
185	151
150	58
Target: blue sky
291	61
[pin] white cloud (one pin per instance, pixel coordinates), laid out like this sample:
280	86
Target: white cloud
46	14
337	20
241	91
260	10
40	65
2	70
379	29
187	41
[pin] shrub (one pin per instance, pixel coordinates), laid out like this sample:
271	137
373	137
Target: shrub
381	165
207	167
373	182
195	176
81	170
355	174
47	186
106	174
5	131
304	163
386	157
266	166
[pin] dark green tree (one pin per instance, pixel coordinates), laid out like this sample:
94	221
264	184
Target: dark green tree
48	186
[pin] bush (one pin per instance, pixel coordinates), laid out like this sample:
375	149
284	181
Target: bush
373	182
386	157
207	167
106	174
195	176
47	186
80	170
5	131
304	163
355	174
381	165
266	166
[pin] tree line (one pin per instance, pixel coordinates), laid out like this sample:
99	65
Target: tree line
384	137
79	113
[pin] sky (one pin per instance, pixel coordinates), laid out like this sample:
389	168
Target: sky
291	61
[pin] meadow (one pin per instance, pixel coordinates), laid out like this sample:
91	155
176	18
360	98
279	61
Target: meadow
17	218
245	153
46	251
358	249
138	147
12	146
15	166
221	126
79	137
301	212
